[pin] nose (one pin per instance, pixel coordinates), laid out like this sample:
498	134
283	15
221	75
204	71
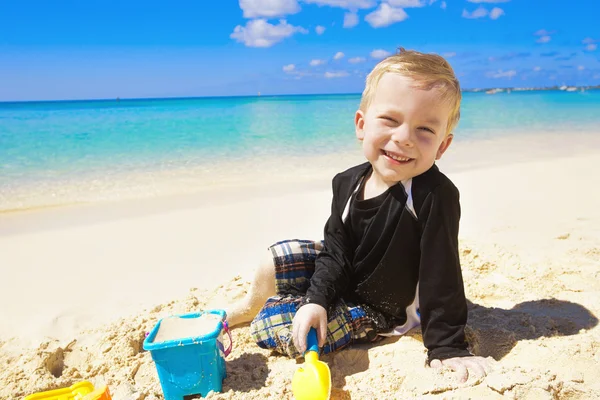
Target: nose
402	136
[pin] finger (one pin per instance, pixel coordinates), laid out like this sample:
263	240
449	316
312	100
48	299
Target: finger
461	370
302	334
296	336
322	329
487	364
435	364
476	368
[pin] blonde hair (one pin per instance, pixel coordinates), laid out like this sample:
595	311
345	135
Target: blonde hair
428	70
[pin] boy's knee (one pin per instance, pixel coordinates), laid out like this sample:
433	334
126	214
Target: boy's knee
277	338
273	326
267	262
264	280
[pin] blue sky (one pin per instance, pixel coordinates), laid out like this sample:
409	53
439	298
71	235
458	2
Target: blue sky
88	49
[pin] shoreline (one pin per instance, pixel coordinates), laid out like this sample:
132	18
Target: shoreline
226	176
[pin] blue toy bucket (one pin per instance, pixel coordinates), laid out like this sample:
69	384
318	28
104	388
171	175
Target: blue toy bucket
191	366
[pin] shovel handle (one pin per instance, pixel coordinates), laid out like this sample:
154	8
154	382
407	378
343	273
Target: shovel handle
312	343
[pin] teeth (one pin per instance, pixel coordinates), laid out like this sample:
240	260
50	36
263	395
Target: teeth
402	159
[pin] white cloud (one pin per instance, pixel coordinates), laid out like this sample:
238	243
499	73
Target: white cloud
449	54
544	35
406	3
379	54
259	33
482	12
314	63
544	39
350	20
488	1
268	8
291	70
580	67
338	56
591	47
443	5
320	29
502	74
339	74
356	60
478	13
347	4
543	32
537	69
588	40
385	15
496	13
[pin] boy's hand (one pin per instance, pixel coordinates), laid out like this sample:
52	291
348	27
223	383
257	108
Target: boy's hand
479	366
307	316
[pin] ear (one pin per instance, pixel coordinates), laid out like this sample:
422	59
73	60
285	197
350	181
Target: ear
359	124
444	146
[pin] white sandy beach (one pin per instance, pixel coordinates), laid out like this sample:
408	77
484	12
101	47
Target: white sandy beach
82	285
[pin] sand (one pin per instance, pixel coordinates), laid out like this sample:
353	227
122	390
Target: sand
83	285
174	328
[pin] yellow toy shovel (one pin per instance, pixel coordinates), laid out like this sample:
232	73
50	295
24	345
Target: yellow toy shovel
313	381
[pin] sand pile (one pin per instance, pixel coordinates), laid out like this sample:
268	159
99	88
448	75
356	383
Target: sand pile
546	348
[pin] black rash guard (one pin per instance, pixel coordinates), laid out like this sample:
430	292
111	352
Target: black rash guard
408	255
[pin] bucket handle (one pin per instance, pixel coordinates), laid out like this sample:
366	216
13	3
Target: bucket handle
226	328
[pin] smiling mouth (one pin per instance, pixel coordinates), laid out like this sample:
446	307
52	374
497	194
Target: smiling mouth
396	159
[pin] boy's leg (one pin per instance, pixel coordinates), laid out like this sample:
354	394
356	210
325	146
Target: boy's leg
285	270
276	293
261	288
346	324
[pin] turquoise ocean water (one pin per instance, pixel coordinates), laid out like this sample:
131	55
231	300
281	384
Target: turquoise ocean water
45	146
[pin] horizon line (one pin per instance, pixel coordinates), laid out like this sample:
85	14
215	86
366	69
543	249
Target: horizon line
470	90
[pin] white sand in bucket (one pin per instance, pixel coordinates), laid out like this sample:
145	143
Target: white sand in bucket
174	328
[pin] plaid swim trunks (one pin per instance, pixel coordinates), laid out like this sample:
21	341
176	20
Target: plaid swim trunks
294	265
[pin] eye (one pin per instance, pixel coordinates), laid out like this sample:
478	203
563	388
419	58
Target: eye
424	128
387	118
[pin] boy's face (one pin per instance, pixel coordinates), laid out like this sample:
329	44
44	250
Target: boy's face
403	131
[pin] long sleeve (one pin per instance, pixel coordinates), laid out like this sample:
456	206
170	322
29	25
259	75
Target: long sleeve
442	301
332	266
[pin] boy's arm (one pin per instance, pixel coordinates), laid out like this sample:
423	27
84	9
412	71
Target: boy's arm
442	301
332	266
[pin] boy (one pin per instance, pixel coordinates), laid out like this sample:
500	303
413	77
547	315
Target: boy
389	260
